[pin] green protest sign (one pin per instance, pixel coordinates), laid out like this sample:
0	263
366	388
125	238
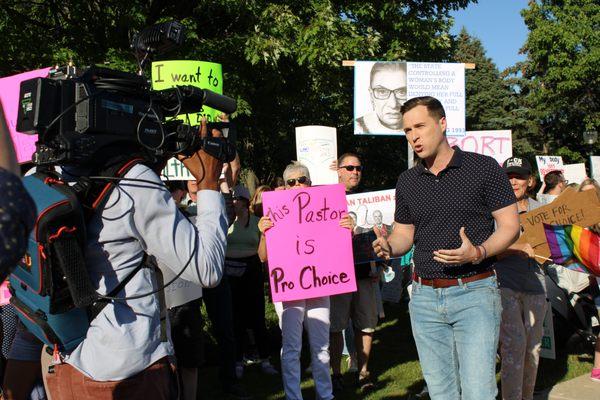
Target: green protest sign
202	74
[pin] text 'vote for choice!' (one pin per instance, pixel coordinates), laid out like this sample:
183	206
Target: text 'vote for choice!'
310	254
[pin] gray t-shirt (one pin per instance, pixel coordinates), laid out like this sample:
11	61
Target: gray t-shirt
519	273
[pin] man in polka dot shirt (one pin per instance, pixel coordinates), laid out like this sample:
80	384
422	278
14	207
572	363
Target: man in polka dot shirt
447	206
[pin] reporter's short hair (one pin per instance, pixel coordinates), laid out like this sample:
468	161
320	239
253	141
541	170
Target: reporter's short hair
295	166
434	106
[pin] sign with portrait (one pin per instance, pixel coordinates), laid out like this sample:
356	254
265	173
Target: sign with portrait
370	209
382	87
310	254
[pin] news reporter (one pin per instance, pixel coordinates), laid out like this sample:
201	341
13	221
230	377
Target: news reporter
310	313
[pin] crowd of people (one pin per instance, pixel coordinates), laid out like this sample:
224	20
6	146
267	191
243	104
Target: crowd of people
476	291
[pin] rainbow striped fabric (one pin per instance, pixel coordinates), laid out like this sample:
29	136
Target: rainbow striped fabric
574	243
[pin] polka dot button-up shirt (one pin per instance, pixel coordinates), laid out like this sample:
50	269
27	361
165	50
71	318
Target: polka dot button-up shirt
465	193
17	216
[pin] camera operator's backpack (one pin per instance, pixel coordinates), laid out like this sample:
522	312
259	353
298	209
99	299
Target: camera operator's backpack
51	289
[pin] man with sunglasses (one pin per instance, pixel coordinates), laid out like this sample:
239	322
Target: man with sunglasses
359	307
387	90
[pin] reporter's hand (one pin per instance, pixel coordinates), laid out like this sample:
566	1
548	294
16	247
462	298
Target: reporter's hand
205	168
334	165
264	224
466	253
381	246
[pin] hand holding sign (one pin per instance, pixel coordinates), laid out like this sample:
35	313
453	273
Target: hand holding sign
347	222
264	224
381	246
466	253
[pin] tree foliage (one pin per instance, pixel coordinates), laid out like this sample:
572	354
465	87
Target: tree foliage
281	59
488	96
560	79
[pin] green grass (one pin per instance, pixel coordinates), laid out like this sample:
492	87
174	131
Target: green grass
394	363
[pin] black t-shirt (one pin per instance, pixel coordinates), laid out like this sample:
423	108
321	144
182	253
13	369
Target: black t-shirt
360	243
465	193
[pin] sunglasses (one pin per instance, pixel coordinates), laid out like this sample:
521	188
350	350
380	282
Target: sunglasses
351	168
301	180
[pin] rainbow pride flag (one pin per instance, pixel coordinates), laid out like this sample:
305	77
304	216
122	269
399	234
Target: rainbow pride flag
574	243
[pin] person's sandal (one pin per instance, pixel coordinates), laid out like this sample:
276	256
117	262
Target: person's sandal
595	376
365	383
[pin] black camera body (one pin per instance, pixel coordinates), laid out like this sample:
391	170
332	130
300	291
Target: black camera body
76	114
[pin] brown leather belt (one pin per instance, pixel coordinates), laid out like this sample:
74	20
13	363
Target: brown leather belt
440	283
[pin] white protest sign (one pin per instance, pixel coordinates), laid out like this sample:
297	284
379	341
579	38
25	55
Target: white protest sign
595	162
381	87
548	349
176	171
575	173
180	291
496	144
546	164
316	148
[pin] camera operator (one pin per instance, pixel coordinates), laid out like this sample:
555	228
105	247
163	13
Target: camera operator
125	353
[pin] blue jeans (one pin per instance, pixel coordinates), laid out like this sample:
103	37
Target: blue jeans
456	331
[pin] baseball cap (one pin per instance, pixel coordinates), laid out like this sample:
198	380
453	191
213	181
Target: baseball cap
517	165
241	191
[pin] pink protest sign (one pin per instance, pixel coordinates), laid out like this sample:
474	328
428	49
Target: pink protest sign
9	96
310	254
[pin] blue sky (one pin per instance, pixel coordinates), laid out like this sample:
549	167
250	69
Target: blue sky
499	26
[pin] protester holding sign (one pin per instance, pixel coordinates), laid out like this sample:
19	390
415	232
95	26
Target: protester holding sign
359	306
245	273
447	205
523	290
313	313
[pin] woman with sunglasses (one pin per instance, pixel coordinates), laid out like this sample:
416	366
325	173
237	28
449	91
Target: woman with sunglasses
313	314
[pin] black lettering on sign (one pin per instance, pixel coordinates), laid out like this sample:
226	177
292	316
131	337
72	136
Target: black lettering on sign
279	284
212	80
187	78
278	214
307	248
310	279
158	67
538	218
322	214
